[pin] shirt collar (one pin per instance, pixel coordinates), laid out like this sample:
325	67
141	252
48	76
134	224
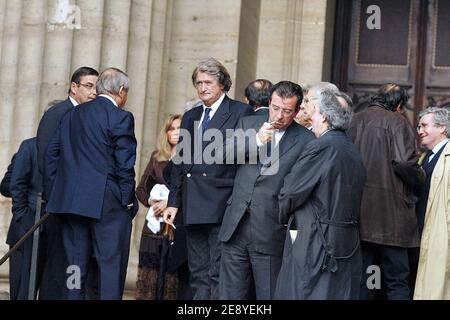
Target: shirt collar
74	102
109	98
215	105
325	132
439	145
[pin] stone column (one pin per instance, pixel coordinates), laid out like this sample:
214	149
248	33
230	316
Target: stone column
29	70
57	55
137	66
115	34
8	75
2	20
291	40
87	41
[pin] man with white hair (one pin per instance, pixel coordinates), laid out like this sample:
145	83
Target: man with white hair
433	208
321	196
89	170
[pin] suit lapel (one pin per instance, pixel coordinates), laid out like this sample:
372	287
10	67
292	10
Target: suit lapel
288	140
438	173
222	114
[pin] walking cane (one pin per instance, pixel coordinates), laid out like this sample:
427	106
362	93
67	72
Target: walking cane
165	247
25	237
34	252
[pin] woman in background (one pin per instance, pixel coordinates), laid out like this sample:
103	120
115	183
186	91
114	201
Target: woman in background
176	274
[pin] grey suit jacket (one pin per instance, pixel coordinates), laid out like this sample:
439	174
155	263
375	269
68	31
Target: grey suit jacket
256	188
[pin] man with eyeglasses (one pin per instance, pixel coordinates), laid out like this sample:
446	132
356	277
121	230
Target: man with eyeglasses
252	238
388	223
82	89
89	167
433	208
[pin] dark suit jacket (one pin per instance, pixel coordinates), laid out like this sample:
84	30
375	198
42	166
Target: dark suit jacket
5	189
257	189
26	182
91	158
262	111
202	190
47	127
323	191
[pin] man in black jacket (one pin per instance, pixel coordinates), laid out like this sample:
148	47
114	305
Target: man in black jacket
26	183
82	89
200	189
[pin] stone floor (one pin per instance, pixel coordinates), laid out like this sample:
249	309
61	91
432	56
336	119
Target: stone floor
4	295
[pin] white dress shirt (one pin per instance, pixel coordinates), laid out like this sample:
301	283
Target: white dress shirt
109	98
214	108
437	148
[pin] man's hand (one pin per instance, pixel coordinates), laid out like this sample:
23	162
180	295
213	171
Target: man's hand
265	133
158	207
169	215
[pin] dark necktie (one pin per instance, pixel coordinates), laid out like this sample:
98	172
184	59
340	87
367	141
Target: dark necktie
206	119
430	154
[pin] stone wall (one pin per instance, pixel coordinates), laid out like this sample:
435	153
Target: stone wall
158	43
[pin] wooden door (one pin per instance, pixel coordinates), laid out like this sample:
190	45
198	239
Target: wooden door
410	48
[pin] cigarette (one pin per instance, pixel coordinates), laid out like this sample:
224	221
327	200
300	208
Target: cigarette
173	226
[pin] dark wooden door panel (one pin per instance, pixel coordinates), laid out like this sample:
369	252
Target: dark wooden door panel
412	48
437	64
378	56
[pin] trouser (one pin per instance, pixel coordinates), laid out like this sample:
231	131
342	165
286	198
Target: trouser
245	272
394	266
108	239
204	253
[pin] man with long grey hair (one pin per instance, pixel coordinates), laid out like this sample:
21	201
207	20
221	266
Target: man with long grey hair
321	197
199	189
90	171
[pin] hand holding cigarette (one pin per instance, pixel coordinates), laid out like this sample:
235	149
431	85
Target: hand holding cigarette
266	131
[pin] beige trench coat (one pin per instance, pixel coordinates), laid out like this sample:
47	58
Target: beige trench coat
433	274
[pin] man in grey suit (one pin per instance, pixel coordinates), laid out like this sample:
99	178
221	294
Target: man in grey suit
251	235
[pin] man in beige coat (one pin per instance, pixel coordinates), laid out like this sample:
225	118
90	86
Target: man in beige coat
433	274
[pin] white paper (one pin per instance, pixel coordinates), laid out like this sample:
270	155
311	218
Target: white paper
158	192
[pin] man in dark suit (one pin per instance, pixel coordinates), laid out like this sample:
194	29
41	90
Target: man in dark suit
322	197
251	235
52	257
90	169
26	183
257	94
82	89
202	189
5	189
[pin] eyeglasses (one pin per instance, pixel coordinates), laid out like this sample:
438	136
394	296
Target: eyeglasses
89	86
306	100
426	125
286	112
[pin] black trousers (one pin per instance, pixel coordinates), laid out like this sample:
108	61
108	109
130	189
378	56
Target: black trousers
394	265
244	272
204	253
108	239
